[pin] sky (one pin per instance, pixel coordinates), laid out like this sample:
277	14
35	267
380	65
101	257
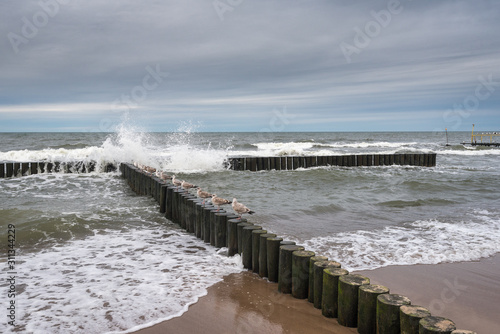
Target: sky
241	65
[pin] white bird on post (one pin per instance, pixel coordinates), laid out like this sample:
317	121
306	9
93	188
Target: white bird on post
219	201
240	208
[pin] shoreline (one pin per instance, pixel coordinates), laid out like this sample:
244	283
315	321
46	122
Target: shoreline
465	292
468	293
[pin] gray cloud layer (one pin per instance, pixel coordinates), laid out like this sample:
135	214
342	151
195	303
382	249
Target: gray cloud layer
334	65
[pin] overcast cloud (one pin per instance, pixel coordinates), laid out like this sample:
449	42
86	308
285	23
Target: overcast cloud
235	65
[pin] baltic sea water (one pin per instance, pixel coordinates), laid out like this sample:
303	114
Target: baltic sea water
92	257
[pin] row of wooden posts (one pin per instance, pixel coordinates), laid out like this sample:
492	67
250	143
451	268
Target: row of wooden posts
294	162
348	297
13	169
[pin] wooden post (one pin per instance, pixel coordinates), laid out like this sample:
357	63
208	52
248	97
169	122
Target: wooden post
329	299
25	167
263	253
318	268
370	160
433	160
17	168
196	212
266	163
212	224
312	261
283	163
409	316
247	245
260	163
239	231
241	163
184	216
163	199
367	307
256	249
175	205
381	159
2	170
9	169
33	168
221	219
435	325
348	299
198	231
391	159
232	236
168	202
273	258
285	267
206	222
300	273
252	163
388	305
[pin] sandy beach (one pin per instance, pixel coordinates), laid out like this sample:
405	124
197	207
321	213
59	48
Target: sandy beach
467	293
246	303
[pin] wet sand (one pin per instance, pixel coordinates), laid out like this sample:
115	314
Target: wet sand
246	303
467	293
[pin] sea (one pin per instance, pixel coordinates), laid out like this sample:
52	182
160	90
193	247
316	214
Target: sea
91	256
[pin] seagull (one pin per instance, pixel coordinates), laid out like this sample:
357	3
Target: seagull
203	194
164	176
187	185
219	201
176	182
150	170
240	208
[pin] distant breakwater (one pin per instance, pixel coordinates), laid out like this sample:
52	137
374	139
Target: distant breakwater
14	169
350	298
294	162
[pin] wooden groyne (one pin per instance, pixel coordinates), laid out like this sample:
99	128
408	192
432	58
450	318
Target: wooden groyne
353	160
348	297
17	169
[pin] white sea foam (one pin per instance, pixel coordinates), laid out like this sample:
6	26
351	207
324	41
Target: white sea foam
420	242
116	281
370	144
472	151
278	149
130	145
